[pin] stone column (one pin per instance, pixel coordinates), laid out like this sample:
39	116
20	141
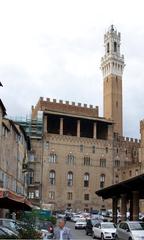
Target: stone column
78	128
114	208
110	132
45	123
131	208
135	205
61	126
123	207
95	130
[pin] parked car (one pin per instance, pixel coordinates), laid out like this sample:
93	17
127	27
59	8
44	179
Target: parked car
10	224
61	215
89	225
46	226
75	218
68	216
104	230
80	224
6	232
130	230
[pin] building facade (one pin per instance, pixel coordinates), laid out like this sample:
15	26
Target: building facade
75	152
13	154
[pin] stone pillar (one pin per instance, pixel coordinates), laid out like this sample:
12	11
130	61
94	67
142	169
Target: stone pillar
114	208
45	123
78	128
61	126
110	132
95	130
135	205
131	209
123	207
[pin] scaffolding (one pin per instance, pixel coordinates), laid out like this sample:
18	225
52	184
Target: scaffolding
32	127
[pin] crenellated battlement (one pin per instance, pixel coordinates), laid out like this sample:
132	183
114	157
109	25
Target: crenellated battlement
67	103
127	139
47	104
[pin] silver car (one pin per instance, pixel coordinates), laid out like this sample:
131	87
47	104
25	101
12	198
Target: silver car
130	230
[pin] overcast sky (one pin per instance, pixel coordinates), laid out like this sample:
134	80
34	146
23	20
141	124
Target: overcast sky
53	49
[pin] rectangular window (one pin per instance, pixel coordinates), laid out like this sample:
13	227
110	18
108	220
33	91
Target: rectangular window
117	163
93	149
70	159
87	161
51	195
86	197
81	148
31	195
52	158
37	194
69	195
102	162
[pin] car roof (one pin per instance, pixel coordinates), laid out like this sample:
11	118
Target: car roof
7	219
107	222
131	222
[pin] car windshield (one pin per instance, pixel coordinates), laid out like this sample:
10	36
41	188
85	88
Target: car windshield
108	225
136	226
81	220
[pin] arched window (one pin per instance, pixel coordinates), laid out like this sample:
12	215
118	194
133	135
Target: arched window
70	179
86	179
102	180
52	177
115	47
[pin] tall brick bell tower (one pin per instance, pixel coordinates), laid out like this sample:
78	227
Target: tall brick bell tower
112	65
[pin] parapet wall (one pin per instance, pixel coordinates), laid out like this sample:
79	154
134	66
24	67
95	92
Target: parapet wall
65	107
126	139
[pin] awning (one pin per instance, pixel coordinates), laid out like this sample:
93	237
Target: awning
124	187
13	201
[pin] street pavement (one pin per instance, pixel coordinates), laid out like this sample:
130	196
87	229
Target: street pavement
79	233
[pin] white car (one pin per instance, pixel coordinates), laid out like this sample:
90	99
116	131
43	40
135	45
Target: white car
75	218
130	230
104	230
80	224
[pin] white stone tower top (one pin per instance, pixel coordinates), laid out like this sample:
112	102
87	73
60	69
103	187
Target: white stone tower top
113	61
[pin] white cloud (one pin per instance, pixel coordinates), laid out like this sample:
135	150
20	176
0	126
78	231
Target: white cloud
53	49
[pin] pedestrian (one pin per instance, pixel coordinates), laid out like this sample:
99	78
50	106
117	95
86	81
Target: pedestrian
62	232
